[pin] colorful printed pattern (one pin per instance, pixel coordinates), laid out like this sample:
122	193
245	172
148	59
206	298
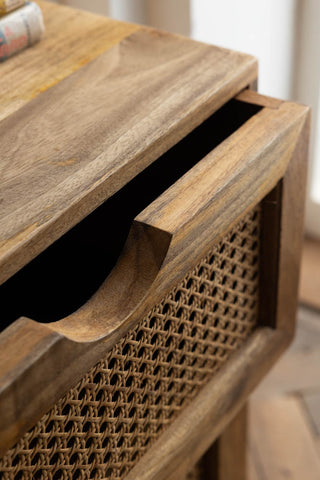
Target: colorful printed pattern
20	29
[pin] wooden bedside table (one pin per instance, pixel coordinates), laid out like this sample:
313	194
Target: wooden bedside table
150	235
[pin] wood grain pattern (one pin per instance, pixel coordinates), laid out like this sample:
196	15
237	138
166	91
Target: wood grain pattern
108	100
166	240
274	429
252	468
226	182
224	185
311	400
56	176
309	292
259	138
249	95
72	39
227	458
281	442
39	363
291	234
298	370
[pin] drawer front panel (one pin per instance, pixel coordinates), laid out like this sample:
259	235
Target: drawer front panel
102	427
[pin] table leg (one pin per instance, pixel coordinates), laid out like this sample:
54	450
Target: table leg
226	458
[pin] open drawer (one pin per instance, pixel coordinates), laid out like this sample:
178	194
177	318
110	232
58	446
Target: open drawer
180	287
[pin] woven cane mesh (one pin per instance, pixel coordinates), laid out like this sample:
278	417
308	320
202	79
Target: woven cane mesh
102	427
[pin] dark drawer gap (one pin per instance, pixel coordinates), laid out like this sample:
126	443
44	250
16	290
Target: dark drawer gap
65	275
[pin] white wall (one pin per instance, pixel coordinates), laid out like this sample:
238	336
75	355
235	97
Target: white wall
264	28
307	90
169	15
96	6
128	10
285	37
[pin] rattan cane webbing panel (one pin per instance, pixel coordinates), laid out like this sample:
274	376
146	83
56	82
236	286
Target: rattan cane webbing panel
101	428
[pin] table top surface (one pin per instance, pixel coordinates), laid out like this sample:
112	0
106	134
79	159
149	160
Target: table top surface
86	109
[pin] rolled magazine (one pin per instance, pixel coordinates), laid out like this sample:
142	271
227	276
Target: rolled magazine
20	29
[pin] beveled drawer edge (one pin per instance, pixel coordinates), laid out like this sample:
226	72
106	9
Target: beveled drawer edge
122	154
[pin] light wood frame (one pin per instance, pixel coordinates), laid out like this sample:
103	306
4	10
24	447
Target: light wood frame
271	158
219	414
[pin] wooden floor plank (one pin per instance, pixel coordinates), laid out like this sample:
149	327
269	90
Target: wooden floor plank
308	329
252	467
298	369
281	440
311	401
310	273
293	373
227	458
317	440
